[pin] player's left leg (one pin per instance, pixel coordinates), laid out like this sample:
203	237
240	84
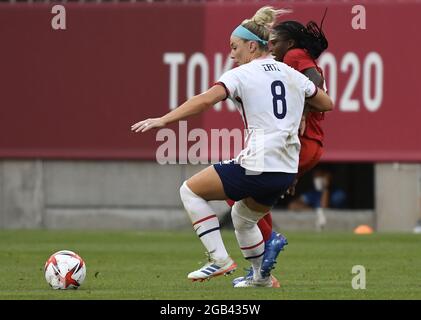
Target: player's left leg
195	194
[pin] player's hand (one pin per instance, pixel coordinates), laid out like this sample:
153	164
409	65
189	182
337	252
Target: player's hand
302	127
148	124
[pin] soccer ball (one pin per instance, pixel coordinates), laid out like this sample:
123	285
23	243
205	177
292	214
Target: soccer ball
65	270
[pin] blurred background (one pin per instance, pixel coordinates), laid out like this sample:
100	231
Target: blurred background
69	95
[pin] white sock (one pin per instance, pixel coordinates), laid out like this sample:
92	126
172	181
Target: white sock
248	235
253	248
205	222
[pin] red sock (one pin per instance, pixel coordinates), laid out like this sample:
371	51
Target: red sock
264	224
268	219
230	202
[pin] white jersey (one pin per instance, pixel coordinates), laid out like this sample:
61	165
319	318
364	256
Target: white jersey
270	97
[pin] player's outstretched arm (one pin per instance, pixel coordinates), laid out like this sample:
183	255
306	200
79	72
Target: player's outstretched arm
195	105
321	101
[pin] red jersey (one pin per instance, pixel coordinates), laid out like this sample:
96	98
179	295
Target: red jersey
300	60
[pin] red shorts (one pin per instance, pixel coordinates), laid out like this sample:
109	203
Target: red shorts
310	153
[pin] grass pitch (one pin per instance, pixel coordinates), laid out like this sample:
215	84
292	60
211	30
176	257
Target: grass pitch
154	265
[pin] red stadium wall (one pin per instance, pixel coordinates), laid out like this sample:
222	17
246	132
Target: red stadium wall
74	93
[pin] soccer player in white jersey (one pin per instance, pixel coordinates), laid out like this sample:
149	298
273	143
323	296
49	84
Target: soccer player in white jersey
270	97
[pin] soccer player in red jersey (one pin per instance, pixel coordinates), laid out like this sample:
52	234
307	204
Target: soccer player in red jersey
297	46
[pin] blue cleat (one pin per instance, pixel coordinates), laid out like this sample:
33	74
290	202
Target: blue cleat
273	247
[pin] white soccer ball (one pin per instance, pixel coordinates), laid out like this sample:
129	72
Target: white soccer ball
65	270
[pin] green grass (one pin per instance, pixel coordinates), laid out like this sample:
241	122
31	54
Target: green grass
154	265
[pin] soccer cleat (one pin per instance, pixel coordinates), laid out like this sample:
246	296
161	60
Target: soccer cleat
212	269
273	247
268	282
249	275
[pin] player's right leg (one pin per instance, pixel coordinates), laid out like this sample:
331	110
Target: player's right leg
273	246
310	153
265	226
251	243
245	215
248	235
195	194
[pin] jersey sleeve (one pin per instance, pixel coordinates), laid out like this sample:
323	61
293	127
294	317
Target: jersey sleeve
230	81
299	59
310	88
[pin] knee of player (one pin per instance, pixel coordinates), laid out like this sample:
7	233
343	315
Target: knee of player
187	195
240	218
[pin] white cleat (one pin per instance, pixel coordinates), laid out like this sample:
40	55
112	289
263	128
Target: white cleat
269	282
212	269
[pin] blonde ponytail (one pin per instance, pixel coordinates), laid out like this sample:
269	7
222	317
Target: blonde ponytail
263	20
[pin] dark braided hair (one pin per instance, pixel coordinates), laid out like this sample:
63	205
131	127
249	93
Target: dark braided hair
310	37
